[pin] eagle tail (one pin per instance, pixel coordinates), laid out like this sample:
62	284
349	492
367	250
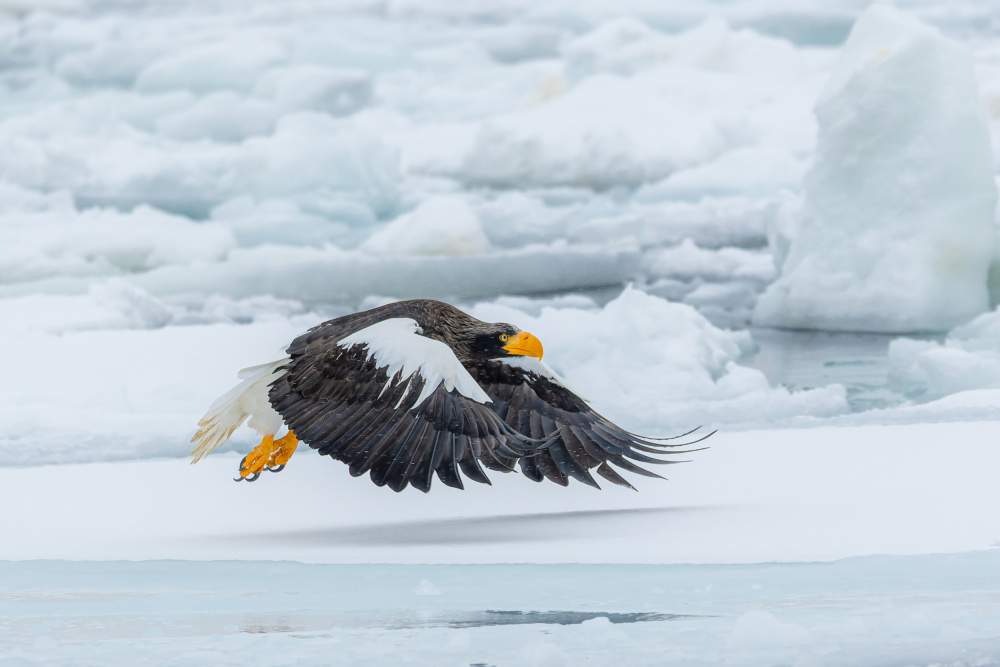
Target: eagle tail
248	399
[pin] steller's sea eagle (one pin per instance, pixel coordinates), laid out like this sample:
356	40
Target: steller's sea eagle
418	387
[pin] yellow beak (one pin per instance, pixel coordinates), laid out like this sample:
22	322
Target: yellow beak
525	344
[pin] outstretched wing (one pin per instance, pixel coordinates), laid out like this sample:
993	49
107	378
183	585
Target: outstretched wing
532	399
391	402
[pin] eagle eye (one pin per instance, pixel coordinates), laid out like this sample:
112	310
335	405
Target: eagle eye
503	338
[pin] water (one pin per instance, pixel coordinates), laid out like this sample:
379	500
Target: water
872	610
802	360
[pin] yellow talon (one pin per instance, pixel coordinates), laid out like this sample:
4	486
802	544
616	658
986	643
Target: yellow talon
284	448
254	462
270	453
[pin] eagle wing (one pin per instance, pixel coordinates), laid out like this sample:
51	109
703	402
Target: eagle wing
534	401
388	401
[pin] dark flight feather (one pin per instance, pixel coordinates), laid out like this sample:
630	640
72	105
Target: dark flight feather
341	403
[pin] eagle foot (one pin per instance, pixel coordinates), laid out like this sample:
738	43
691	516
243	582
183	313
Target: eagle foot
254	462
270	455
284	448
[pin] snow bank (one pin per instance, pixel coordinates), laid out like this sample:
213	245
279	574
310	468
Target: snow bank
896	231
660	368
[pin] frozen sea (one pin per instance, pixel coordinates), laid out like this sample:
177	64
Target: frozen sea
652	188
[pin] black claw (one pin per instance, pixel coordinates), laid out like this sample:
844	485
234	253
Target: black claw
278	468
237	479
243	463
253	477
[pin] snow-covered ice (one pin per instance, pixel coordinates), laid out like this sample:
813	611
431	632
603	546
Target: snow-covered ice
184	187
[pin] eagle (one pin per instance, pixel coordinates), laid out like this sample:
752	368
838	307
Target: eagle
419	388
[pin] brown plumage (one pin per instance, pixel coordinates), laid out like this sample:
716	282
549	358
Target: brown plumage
341	401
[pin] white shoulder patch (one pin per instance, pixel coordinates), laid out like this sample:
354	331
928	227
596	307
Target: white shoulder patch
396	346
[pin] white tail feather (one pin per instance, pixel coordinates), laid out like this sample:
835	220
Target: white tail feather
227	413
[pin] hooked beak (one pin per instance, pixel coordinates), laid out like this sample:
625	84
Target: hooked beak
524	344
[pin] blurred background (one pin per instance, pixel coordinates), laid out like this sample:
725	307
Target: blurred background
656	189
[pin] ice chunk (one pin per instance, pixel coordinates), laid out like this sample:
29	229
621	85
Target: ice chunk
687	260
222	116
968	359
621	46
333	275
60	241
590	138
108	62
642	106
439	226
228	64
713	222
337	92
284	222
140	309
311	158
515	42
626	46
896	231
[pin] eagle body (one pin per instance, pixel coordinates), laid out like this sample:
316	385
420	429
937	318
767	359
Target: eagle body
417	389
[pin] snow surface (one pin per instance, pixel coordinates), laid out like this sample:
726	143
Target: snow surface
786	495
185	187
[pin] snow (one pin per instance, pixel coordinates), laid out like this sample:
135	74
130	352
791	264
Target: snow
186	188
897	227
785	495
